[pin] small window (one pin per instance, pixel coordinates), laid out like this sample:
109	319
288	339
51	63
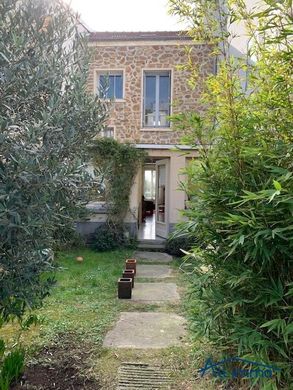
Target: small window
157	99
108	132
110	85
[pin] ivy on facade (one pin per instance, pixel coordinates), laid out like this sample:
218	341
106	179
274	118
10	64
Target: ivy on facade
116	165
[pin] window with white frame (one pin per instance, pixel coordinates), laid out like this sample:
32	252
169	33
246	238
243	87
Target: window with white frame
110	85
108	132
156	98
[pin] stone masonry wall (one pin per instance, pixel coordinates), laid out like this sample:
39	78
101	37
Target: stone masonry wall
126	116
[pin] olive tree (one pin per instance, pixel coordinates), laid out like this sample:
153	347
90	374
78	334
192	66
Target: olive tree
47	120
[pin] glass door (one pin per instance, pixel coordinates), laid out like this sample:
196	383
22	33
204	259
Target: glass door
162	198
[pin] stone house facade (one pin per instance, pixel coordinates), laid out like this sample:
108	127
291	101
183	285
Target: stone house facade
142	75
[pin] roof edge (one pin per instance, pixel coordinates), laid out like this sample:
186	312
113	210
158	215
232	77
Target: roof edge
107	36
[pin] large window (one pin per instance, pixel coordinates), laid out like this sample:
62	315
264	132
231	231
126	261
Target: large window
110	85
157	98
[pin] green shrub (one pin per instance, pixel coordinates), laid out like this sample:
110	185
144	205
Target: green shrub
12	366
240	190
47	122
116	166
174	244
110	236
67	237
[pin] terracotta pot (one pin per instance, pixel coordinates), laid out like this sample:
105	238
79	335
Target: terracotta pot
131	264
129	273
124	288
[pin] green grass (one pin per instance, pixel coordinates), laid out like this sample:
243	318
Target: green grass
83	305
83	300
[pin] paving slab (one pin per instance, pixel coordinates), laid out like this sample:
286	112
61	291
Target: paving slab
155	293
153	257
153	271
146	330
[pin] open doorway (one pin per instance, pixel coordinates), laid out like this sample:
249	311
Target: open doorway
154	200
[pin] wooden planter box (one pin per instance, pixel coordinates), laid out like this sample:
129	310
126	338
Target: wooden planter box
129	273
131	264
124	288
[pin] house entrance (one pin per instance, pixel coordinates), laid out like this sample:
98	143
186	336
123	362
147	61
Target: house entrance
155	200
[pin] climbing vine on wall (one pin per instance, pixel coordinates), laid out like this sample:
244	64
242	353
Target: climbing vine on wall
117	165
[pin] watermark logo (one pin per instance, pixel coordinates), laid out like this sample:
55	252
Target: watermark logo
237	368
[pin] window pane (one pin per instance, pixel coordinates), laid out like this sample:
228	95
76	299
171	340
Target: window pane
161	193
108	132
118	87
164	103
110	86
150	101
110	90
102	87
106	86
153	184
157	98
149	184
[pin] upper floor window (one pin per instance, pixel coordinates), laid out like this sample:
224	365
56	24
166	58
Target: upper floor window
157	98
110	85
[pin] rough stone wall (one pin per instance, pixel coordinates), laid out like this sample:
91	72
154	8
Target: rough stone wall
126	116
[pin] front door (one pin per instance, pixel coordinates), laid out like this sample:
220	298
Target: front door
162	198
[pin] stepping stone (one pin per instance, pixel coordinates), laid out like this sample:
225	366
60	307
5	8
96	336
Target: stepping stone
153	257
155	293
146	330
153	271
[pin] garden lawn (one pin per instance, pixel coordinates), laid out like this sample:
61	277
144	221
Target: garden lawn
82	301
65	349
73	321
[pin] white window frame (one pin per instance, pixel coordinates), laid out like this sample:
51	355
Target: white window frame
109	72
106	130
155	72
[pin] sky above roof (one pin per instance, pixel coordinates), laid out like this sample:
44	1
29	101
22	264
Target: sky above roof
126	15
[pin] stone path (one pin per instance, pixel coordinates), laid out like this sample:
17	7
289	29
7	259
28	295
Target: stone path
144	329
155	293
153	271
153	257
